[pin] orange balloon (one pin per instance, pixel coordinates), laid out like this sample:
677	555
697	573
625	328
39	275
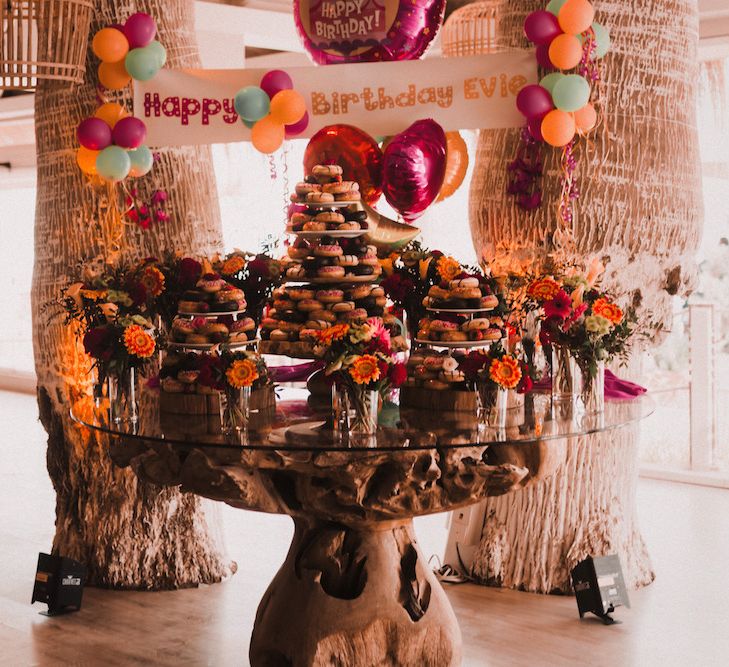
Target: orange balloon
558	128
86	160
456	165
287	107
267	135
110	45
111	113
576	16
586	118
114	76
565	51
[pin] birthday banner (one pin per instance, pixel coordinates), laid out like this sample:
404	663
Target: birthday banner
195	106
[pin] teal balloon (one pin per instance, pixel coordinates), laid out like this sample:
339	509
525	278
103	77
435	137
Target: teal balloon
554	6
142	64
252	103
551	80
249	123
113	163
141	161
571	93
602	39
159	51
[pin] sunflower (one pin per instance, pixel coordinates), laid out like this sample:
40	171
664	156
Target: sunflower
609	311
544	289
138	342
331	334
242	373
365	369
233	265
505	372
448	267
153	280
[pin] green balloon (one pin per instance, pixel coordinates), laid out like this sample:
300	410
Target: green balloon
113	163
550	81
142	64
554	6
159	51
571	93
602	39
141	160
252	103
249	123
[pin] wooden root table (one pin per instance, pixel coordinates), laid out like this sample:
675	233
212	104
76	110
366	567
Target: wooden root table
355	588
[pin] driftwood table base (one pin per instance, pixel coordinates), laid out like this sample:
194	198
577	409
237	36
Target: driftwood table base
347	596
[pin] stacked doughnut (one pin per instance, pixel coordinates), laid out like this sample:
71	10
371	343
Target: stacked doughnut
317	220
459	329
212	294
179	374
332	260
434	370
212	330
461	294
325	185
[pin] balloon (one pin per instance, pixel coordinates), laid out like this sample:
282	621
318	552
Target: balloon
456	165
252	103
355	151
114	76
586	118
543	57
565	51
86	160
406	36
140	30
534	101
287	107
130	133
159	51
143	63
113	163
275	81
249	123
602	37
297	128
535	128
550	80
541	27
141	161
267	135
109	45
94	134
558	128
571	93
111	113
554	6
576	16
413	168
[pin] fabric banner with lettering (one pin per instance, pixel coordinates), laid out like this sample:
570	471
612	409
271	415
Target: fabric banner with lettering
182	107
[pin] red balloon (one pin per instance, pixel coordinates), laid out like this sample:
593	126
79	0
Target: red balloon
543	57
94	134
297	128
356	152
534	101
406	36
541	27
129	133
414	168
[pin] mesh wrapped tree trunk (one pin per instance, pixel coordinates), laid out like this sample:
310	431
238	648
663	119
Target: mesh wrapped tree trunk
641	210
129	534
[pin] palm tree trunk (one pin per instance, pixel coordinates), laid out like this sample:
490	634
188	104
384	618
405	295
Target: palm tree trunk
129	534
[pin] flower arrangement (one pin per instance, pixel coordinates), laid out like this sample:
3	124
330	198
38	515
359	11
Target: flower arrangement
493	368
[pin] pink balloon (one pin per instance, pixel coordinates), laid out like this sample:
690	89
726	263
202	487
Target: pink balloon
275	81
297	128
94	134
407	38
535	128
543	58
541	27
534	101
140	30
129	133
414	168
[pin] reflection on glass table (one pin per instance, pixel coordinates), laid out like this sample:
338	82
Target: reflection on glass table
355	588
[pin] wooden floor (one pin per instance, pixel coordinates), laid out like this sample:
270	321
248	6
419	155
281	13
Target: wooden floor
682	619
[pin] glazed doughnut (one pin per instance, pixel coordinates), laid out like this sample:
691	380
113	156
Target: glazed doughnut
493	334
331	271
358	293
349	195
313	226
210	328
295	272
299	293
284	304
183	326
339	188
229	293
330	295
328	170
211	284
464	282
343	307
356	314
433	363
319	198
299	250
422	373
438	292
303	188
329	216
244	324
308	305
381	301
278	334
454	336
347	260
316	325
478	323
377	291
299	218
330	250
269	323
489	301
323	315
370	260
442	325
465	293
238	337
348	226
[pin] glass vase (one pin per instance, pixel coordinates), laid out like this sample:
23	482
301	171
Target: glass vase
123	407
235	410
355	413
491	405
592	392
566	375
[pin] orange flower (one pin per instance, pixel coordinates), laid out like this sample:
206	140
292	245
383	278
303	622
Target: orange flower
544	289
242	373
138	342
365	369
328	336
505	372
609	311
153	280
448	268
232	265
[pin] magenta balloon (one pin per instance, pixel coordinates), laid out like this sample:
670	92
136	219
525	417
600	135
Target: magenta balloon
275	81
414	168
94	134
534	101
140	30
543	58
295	129
541	27
129	133
535	128
406	37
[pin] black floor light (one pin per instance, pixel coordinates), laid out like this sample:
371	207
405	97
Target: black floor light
59	582
600	587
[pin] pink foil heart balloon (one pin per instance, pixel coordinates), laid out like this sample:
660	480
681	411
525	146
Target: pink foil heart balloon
414	168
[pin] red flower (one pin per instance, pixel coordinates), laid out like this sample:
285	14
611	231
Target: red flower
525	384
549	328
473	363
190	272
258	267
559	307
138	293
398	374
211	372
577	313
99	343
398	287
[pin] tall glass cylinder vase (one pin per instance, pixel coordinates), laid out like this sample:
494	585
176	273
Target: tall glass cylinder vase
235	410
566	375
593	390
492	403
123	407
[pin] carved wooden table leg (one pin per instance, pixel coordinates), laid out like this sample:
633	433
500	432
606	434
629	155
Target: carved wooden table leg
355	596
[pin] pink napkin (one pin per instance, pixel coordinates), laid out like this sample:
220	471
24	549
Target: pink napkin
615	388
296	372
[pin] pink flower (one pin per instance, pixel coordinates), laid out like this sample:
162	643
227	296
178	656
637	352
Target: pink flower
159	197
577	313
559	307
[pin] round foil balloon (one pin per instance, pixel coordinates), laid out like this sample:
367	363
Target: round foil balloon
367	31
355	151
414	168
